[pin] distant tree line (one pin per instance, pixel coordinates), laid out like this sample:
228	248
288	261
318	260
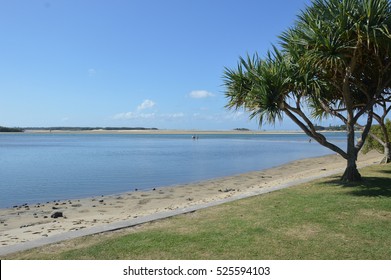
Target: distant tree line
10	129
331	127
65	128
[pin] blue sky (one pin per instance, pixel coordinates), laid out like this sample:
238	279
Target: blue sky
130	62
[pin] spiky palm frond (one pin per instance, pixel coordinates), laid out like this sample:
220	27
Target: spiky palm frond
331	33
258	86
332	41
238	85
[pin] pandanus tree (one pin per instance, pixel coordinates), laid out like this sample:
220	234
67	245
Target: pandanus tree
385	127
380	140
380	135
333	62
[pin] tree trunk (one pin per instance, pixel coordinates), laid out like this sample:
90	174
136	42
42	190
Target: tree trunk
387	153
351	173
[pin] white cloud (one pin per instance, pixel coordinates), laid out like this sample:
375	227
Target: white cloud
124	116
200	94
149	116
133	116
146	104
220	117
173	116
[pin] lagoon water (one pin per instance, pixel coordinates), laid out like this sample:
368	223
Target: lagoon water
46	167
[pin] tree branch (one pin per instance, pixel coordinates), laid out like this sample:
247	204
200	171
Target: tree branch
316	136
365	132
333	112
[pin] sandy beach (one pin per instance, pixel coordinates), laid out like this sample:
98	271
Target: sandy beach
25	223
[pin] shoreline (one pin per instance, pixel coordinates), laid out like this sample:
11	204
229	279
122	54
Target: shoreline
171	131
36	224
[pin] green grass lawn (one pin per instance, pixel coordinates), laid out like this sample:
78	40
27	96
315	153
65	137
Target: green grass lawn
323	219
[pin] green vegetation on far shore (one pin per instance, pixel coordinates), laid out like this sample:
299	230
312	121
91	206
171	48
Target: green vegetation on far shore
324	219
71	128
81	128
9	129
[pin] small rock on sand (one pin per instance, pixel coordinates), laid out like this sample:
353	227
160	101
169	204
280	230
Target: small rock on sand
56	215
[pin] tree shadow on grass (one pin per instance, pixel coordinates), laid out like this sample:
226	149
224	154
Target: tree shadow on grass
369	186
385	171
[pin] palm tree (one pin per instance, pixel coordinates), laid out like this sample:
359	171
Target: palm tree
381	134
327	63
384	139
275	87
349	42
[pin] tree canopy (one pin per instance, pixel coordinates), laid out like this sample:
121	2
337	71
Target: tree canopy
333	62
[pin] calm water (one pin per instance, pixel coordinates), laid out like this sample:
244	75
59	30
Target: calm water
39	168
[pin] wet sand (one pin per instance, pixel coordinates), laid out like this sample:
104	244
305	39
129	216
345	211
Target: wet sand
25	223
